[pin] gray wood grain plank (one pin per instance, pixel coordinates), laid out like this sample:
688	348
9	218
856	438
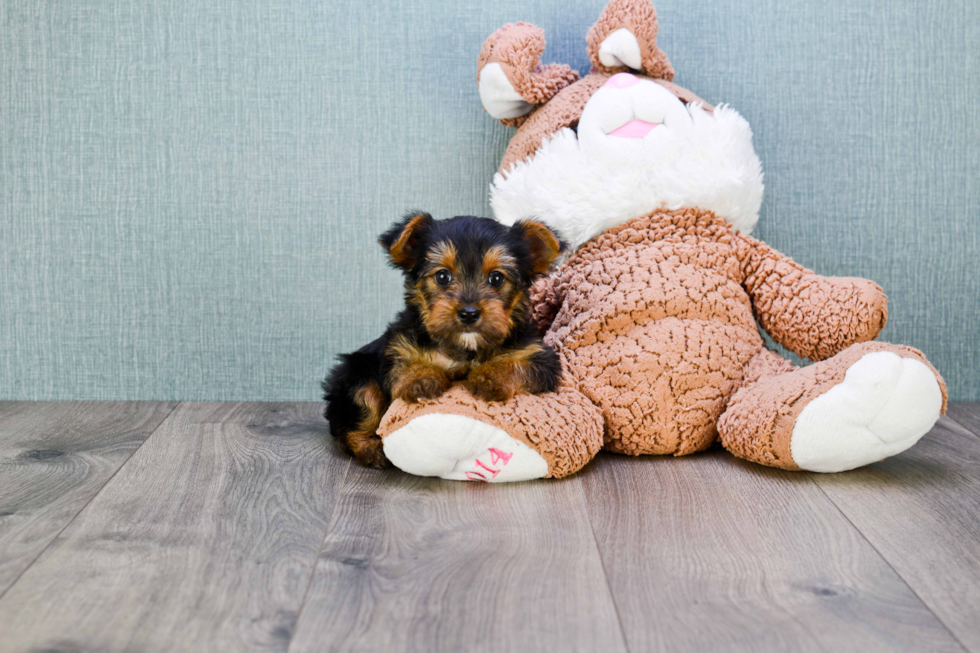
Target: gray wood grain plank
54	457
709	553
205	540
921	511
416	564
967	414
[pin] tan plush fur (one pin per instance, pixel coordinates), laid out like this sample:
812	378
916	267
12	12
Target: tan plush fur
657	323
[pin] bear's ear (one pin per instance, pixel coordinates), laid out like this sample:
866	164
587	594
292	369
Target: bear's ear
404	240
625	38
511	79
543	244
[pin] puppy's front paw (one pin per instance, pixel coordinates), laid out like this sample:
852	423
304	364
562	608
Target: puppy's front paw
486	385
420	386
428	388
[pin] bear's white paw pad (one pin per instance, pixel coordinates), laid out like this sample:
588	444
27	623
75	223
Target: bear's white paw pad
462	449
882	407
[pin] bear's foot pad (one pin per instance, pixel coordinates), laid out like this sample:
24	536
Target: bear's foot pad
882	407
461	448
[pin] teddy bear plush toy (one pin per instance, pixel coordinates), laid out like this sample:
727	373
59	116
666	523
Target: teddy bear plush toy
656	313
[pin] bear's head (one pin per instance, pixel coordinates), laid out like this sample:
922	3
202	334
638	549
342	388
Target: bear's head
621	142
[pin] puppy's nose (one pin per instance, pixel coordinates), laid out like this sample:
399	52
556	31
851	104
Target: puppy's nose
468	314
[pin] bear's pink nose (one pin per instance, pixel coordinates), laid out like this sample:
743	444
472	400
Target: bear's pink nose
622	80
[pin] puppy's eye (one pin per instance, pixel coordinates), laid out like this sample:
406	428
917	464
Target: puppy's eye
496	279
443	278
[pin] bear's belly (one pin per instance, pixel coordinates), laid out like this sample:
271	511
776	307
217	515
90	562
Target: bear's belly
662	385
658	335
640	285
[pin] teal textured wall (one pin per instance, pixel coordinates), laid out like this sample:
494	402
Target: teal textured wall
190	191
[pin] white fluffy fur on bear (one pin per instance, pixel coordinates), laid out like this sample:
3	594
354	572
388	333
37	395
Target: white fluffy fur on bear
584	183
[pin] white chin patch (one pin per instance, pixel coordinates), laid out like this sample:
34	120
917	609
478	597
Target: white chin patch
459	448
470	340
620	49
882	407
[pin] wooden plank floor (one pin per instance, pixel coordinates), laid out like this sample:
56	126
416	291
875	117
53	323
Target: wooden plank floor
237	527
53	459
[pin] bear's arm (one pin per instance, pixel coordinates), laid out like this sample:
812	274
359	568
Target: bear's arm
545	302
813	316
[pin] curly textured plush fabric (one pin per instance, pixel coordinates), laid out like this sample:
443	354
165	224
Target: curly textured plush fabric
656	327
564	426
657	322
822	315
640	18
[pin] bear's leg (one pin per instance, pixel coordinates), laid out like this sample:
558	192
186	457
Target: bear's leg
460	437
870	401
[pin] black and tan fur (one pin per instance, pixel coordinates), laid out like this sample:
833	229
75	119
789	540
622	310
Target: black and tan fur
465	319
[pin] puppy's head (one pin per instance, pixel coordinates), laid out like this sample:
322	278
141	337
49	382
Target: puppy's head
468	277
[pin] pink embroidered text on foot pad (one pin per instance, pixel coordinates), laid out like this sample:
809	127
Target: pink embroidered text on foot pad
479	471
460	448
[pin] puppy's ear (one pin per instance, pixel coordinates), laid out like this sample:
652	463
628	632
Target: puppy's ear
404	240
542	243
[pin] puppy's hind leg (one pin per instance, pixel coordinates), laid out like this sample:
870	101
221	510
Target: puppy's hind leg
356	403
363	441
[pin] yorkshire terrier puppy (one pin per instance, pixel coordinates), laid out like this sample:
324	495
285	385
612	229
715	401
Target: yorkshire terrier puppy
465	318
